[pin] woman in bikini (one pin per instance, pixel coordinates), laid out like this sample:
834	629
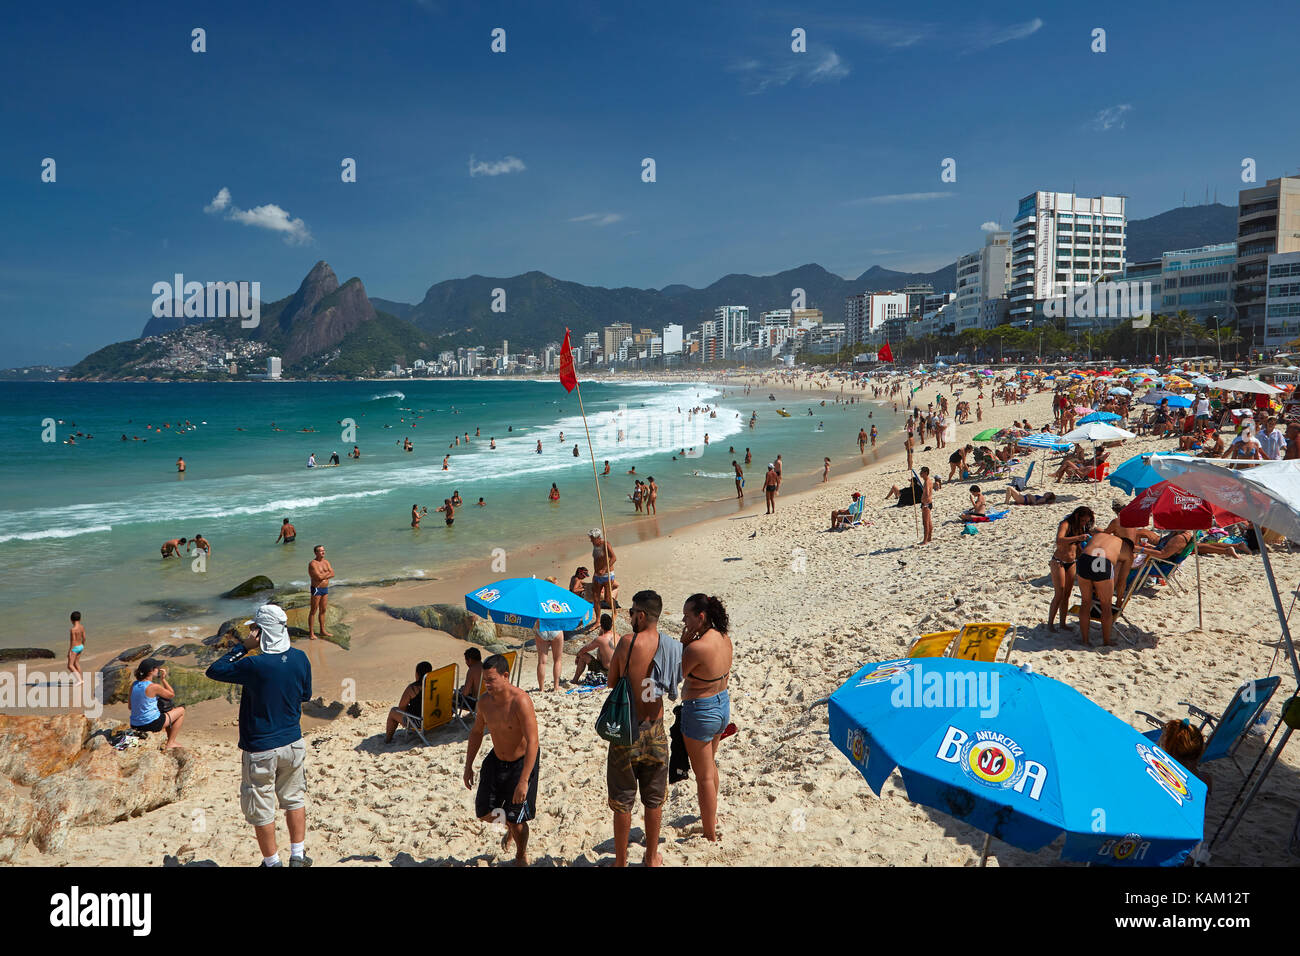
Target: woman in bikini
706	705
1070	534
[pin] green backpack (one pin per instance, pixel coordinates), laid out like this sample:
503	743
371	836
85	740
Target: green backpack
616	720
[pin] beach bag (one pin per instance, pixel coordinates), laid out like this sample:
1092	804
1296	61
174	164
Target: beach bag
970	529
616	720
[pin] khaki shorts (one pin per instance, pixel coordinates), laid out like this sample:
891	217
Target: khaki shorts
644	765
270	775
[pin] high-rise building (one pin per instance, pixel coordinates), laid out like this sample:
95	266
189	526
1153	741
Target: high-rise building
505	352
733	326
1198	281
981	275
590	342
1268	222
273	367
614	336
672	339
867	312
1060	241
1282	302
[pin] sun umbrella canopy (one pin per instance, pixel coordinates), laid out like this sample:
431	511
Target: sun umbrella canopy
531	602
986	434
1170	507
1135	474
1099	417
1097	431
1044	440
1118	390
1016	755
1266	494
1254	386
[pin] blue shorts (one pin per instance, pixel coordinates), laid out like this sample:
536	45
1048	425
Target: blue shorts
319	592
705	717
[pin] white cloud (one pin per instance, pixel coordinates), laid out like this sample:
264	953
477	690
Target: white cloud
499	167
269	216
990	226
1016	31
816	66
1111	117
899	197
599	218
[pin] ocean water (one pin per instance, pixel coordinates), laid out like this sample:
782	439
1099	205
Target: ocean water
81	524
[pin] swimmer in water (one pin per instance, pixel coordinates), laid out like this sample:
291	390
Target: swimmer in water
539	446
493	444
444	462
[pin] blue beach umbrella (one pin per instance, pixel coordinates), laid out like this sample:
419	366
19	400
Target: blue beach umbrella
1106	417
1117	390
1020	756
1136	474
531	602
1044	440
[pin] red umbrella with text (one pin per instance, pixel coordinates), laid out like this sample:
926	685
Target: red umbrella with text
1167	506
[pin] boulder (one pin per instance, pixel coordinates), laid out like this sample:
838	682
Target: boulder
16	815
185	650
32	748
105	785
460	623
132	654
190	684
340	633
254	585
172	609
9	654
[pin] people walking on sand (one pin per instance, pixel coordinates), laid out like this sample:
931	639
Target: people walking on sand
706	705
150	687
769	487
909	445
319	571
507	786
927	505
76	645
287	532
276	683
652	663
1071	532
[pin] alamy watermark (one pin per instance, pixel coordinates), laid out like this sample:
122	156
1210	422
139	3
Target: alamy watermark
1106	300
213	300
21	689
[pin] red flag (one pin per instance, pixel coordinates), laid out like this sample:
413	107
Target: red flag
567	376
885	355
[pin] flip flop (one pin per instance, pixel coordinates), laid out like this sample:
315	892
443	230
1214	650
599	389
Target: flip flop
731	729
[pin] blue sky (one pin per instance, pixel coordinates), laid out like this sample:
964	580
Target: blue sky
474	162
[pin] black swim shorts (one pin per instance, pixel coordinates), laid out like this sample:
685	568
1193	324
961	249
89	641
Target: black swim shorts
1096	567
496	786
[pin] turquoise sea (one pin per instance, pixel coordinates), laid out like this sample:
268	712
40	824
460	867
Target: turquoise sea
81	524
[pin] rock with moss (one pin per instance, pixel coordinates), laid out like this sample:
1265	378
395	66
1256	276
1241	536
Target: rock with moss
234	630
458	622
254	585
9	654
132	654
190	683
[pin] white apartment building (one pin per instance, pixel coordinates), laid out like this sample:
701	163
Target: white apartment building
733	326
672	339
866	312
981	275
1282	302
1060	241
273	367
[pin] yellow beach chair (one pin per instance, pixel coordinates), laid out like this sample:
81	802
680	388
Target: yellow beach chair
436	702
932	645
981	642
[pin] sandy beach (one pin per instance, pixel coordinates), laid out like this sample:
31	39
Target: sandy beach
808	607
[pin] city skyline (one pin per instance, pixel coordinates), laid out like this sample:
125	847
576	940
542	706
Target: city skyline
226	164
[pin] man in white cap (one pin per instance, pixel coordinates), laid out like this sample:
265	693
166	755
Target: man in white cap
275	684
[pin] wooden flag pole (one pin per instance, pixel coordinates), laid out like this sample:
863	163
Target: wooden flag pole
600	504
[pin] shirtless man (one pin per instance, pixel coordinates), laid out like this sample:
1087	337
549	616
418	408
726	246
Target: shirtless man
180	466
448	512
173	547
200	543
76	645
977	502
909	445
651	496
927	505
320	571
777	465
862	440
740	480
652	663
770	484
606	471
507	787
598	653
1096	575
602	580
1134	536
287	532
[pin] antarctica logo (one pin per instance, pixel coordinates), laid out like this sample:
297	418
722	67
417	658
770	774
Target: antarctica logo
993	759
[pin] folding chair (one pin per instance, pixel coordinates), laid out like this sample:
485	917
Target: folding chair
981	642
1020	484
931	645
436	707
1229	729
854	518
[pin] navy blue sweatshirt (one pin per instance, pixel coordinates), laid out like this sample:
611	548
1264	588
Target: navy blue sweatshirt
275	688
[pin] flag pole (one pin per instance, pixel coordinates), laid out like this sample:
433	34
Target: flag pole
600	504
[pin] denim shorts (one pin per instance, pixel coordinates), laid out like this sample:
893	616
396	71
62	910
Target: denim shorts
705	717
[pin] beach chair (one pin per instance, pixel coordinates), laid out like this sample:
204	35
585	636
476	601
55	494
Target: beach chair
1229	729
436	708
982	641
1020	484
464	710
932	645
853	519
1164	569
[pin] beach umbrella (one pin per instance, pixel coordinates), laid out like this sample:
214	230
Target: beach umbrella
1136	474
1267	495
1254	386
986	434
1118	390
1097	431
1017	755
1203	382
1099	417
1047	442
531	602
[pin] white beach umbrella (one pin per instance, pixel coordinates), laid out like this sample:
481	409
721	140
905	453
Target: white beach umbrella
1097	431
1254	386
1268	495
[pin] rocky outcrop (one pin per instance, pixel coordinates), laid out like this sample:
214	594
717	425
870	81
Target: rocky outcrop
459	623
321	313
296	605
132	654
11	654
254	585
190	684
72	779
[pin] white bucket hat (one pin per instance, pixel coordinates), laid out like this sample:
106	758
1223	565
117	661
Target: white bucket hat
274	626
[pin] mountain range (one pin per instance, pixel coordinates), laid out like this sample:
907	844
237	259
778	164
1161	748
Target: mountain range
330	328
